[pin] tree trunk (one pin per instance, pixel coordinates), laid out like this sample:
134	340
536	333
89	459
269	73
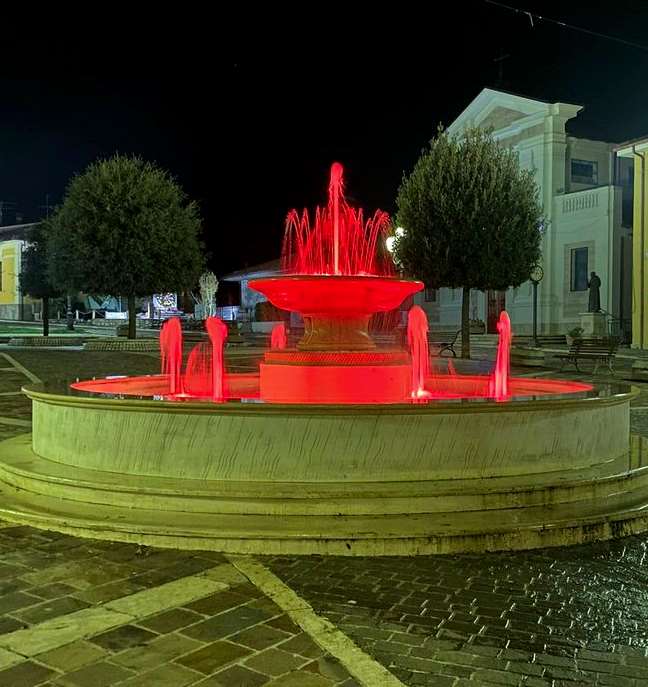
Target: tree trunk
465	323
132	319
45	315
69	315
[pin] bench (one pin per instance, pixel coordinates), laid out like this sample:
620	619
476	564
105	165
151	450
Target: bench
598	350
446	344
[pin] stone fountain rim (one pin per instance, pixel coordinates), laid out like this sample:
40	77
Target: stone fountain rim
618	394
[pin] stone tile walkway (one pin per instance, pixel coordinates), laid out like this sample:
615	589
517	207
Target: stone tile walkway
85	613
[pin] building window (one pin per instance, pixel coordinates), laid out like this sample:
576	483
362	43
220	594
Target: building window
584	172
579	269
430	295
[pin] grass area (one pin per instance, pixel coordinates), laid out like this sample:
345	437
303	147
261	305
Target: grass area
7	329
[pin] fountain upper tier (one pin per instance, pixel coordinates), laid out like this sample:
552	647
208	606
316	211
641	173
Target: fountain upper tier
338	273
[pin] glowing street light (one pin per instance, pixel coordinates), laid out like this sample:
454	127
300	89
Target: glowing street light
391	240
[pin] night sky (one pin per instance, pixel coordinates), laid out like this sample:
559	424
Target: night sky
248	108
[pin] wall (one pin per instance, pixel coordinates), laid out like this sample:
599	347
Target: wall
640	253
10	297
591	151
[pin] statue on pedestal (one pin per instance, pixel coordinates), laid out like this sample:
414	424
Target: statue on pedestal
594	285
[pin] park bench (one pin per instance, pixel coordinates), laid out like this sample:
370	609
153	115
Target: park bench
597	350
445	344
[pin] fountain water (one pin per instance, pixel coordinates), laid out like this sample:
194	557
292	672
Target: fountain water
417	339
499	382
278	338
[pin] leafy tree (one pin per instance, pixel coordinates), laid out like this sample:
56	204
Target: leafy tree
471	216
34	280
125	228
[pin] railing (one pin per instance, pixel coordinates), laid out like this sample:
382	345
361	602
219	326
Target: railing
581	200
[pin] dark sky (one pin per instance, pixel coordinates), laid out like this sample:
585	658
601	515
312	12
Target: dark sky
248	109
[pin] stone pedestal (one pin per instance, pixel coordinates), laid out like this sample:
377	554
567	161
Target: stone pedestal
593	324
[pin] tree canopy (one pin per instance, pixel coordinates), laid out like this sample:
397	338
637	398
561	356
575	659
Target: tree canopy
471	217
125	228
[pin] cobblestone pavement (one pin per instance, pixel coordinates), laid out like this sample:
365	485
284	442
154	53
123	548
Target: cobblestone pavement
79	613
555	617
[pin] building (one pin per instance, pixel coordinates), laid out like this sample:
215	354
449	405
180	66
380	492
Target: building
637	152
14	305
582	185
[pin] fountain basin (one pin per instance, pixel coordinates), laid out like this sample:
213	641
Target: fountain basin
245	476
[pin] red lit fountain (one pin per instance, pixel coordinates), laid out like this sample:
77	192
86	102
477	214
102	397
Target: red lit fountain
336	445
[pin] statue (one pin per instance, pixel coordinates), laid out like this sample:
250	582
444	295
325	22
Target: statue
594	284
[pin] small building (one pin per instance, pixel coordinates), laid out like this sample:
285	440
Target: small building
14	305
637	152
582	188
249	298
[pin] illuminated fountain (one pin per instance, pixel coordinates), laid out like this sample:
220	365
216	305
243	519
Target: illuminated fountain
336	445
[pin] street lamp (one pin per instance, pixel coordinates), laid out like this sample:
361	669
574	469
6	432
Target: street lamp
536	277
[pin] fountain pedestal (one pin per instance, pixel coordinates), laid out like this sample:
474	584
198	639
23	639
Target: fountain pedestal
298	376
336	360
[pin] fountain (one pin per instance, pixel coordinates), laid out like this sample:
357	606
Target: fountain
337	444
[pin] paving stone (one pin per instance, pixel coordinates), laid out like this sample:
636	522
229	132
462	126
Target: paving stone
109	592
227	574
216	603
101	674
226	623
302	645
274	662
171	620
260	637
8	624
16	600
209	658
169	675
123	637
25	674
301	678
50	609
159	651
52	591
284	623
329	667
236	676
72	656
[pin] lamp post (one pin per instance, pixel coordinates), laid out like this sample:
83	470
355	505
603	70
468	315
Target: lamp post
536	277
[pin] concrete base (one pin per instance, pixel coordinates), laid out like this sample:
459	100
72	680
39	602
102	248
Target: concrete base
594	324
368	519
345	480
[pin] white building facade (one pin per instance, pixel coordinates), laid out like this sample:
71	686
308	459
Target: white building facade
581	184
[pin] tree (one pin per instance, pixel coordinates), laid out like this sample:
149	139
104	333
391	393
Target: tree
34	279
471	217
125	228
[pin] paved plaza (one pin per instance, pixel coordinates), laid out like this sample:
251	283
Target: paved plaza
90	613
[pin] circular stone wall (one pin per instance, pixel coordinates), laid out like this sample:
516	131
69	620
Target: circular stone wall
397	479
